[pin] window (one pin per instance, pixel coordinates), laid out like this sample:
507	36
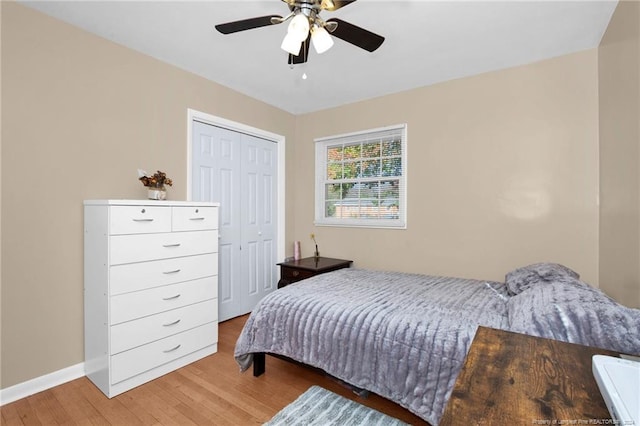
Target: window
361	178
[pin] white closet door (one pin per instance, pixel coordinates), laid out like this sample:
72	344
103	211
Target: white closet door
258	218
239	171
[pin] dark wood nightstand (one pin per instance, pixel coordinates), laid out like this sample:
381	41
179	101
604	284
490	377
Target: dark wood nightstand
515	379
297	270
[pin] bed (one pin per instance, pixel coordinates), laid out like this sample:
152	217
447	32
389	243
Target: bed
405	336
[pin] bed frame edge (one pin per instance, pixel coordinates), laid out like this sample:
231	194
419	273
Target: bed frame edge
258	364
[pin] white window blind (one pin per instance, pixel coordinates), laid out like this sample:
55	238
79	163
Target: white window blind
361	178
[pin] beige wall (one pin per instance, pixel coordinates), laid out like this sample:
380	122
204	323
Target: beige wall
80	115
502	172
619	97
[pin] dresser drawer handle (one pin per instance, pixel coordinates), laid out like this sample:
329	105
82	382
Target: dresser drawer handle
172	349
172	272
171	323
171	298
171	245
196	218
149	219
296	273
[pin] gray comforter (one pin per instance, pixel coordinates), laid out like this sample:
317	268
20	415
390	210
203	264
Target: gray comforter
401	336
405	336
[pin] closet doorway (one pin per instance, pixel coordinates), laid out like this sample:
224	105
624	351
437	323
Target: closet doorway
242	168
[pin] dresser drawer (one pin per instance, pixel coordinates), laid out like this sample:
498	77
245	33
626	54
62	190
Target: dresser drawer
130	306
194	218
140	248
145	330
292	275
136	361
131	277
139	219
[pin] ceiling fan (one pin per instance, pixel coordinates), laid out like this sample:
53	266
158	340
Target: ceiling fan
307	27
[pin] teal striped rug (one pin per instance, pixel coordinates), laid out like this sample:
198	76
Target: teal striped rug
318	406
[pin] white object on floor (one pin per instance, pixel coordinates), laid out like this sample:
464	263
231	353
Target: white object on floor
619	383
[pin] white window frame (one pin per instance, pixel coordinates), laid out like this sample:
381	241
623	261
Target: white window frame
322	144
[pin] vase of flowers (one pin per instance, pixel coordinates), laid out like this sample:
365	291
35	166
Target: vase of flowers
316	253
157	193
156	189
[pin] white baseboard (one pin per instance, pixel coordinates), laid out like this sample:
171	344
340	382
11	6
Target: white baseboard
39	384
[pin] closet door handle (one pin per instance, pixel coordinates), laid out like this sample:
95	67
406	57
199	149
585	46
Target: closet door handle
172	323
149	219
172	349
171	245
172	272
171	298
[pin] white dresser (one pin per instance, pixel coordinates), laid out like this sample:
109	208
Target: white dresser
150	289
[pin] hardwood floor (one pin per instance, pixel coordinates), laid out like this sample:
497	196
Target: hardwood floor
211	391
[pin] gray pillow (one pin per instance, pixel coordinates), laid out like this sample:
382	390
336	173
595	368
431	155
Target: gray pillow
577	313
523	278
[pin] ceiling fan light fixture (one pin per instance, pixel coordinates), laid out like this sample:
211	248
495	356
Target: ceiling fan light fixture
321	39
306	26
299	27
291	44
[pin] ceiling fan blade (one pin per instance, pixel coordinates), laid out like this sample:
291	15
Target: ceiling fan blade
247	24
303	55
332	5
355	35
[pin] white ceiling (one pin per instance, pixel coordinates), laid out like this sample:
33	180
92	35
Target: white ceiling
426	42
